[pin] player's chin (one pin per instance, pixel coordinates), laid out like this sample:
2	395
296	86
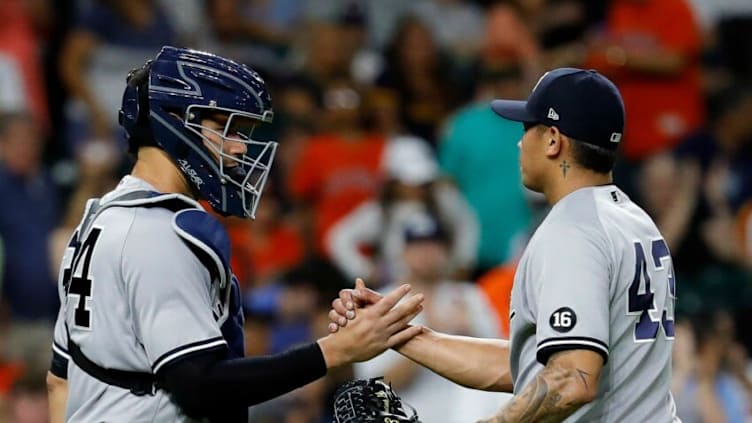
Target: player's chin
525	178
529	184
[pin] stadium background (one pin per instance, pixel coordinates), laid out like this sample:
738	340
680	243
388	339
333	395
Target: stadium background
381	110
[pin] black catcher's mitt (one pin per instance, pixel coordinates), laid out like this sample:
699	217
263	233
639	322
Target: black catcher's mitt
370	401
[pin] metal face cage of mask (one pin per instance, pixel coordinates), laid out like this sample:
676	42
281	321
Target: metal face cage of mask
248	171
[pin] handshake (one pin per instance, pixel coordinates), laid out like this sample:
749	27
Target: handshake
365	323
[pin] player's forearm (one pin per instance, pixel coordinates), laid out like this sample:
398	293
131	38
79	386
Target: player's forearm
555	394
207	383
473	362
57	395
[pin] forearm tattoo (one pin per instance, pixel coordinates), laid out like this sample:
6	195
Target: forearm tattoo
551	397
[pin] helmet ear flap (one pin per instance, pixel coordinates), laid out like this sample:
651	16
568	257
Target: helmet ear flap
134	112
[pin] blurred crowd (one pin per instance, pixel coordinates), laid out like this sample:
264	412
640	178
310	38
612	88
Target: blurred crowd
391	167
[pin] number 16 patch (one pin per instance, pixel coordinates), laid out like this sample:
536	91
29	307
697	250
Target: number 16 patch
563	320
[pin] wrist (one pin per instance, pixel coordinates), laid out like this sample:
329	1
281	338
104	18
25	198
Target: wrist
333	357
413	344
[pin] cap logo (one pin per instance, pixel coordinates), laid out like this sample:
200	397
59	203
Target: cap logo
555	116
615	137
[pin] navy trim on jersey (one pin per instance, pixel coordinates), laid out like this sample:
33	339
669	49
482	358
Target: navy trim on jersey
59	363
202	230
187	349
551	346
60	350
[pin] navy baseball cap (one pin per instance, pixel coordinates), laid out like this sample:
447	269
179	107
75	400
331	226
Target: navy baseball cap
423	227
583	104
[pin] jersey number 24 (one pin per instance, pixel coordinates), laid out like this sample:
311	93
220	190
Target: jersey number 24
643	303
78	282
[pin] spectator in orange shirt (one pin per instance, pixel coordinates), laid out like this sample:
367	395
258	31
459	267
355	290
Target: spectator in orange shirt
650	49
496	284
339	169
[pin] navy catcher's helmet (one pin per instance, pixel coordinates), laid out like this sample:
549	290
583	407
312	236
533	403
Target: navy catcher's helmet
164	104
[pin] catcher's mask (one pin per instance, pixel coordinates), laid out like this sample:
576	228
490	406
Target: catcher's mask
166	102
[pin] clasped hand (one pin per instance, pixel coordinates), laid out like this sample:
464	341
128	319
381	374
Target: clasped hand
375	322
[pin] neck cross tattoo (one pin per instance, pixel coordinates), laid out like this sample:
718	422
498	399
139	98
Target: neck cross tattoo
564	167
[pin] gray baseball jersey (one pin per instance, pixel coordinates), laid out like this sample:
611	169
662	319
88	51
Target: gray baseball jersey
137	299
597	275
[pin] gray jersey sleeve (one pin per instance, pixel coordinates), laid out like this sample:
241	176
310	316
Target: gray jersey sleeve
573	291
60	336
169	292
60	356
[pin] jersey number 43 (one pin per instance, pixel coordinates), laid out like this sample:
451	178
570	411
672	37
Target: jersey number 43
642	302
77	281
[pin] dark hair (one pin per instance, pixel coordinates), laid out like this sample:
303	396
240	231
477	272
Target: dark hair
396	43
725	100
388	195
593	157
394	73
705	326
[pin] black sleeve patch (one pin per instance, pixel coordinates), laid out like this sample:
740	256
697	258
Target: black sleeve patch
563	320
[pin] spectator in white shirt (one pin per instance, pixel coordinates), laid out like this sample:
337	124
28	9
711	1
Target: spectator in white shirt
459	308
412	186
